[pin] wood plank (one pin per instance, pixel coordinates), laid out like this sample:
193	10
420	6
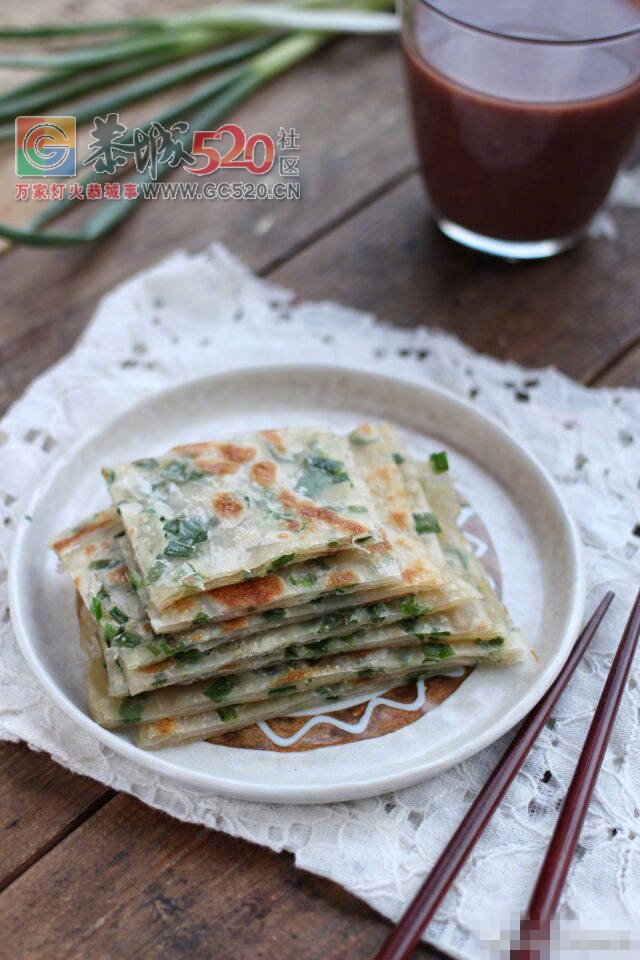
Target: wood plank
574	311
625	372
40	802
132	882
348	151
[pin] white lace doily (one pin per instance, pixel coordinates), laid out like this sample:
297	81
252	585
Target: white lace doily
193	315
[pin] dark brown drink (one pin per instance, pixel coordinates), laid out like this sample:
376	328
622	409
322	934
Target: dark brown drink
502	164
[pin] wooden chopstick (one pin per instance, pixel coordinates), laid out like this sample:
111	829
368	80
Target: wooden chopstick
536	923
406	934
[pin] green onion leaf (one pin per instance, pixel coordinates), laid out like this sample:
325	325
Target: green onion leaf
156	570
377	612
439	462
200	619
119	615
96	608
318	472
437	651
131	708
227	713
306	580
409	607
188	656
282	690
493	642
276	614
426	523
220	688
282	561
104	564
126	638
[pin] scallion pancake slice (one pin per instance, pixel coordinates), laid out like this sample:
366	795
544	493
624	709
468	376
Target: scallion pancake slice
170	731
173	731
463	623
93	553
252	605
283	679
439	488
422	565
206	515
355	629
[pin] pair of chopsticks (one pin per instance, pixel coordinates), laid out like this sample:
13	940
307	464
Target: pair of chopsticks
536	923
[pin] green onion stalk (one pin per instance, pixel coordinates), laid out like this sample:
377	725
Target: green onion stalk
237	50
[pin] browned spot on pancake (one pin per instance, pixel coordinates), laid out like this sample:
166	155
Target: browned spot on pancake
310	511
192	449
219	468
76	581
400	518
293	675
90	549
236	454
385	483
227	506
181	606
344	578
118	576
385	472
233	667
249	593
60	545
155	667
274	438
238	623
383	546
165	727
414	574
263	473
384	479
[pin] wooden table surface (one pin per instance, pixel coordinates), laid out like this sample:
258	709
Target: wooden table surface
85	872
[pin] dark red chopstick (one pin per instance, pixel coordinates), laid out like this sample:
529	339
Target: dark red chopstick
536	923
406	934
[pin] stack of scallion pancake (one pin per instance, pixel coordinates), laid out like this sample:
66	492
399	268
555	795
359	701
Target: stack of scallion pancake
235	581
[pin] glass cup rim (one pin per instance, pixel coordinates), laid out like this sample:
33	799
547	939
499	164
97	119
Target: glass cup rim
630	31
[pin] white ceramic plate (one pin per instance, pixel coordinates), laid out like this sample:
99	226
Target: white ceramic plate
535	540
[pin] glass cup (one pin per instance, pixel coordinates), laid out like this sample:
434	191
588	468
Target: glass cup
523	112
